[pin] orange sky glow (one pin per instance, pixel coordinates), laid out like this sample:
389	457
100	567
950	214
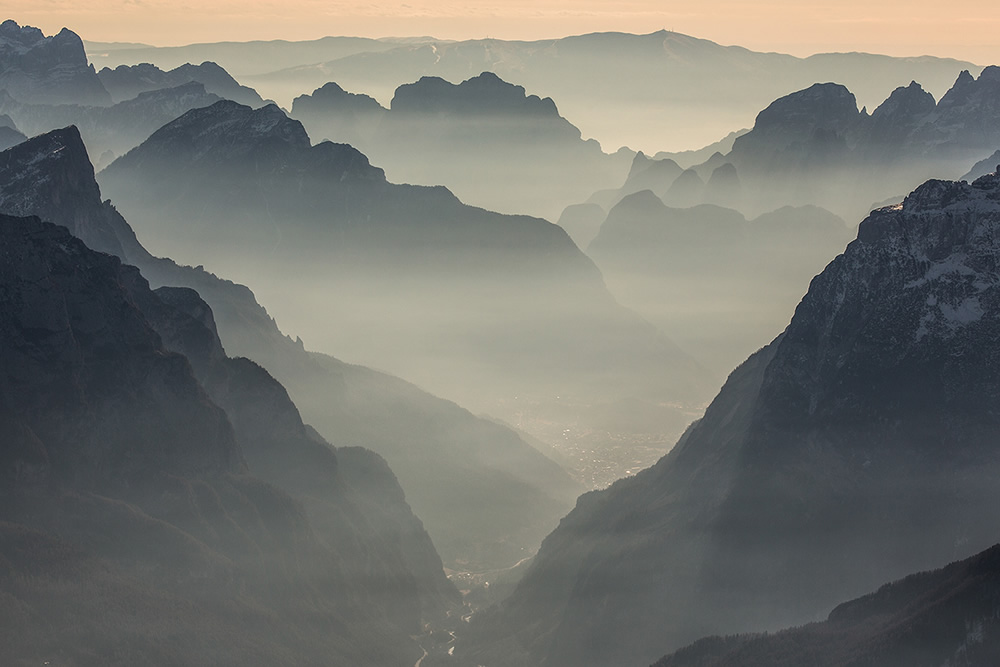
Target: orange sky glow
965	30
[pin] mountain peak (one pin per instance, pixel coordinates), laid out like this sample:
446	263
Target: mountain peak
981	196
330	88
331	99
228	128
14	35
818	104
639	162
485	94
489	77
990	73
643	202
51	176
905	104
46	159
47	70
964	77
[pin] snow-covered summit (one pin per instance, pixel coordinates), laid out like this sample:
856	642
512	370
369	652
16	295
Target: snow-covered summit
922	280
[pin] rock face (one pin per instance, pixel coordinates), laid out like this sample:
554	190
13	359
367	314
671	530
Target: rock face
517	493
799	149
485	139
857	447
808	120
121	472
51	176
36	69
127	81
945	617
86	375
230	174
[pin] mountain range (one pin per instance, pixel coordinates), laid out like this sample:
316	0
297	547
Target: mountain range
46	83
494	145
486	496
463	301
815	147
126	82
110	130
857	447
183	483
648	92
667	250
37	69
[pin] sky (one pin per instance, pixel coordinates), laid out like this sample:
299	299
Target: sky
968	30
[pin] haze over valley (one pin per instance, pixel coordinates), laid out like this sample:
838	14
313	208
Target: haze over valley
598	349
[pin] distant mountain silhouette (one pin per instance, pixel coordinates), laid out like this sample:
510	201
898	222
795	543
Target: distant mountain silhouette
643	91
988	166
244	191
815	147
9	134
693	157
126	82
857	447
686	190
709	277
944	617
724	187
112	129
488	140
333	114
483	493
656	175
239	57
36	69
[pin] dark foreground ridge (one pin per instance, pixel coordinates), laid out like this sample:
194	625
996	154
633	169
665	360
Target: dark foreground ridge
484	495
947	617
